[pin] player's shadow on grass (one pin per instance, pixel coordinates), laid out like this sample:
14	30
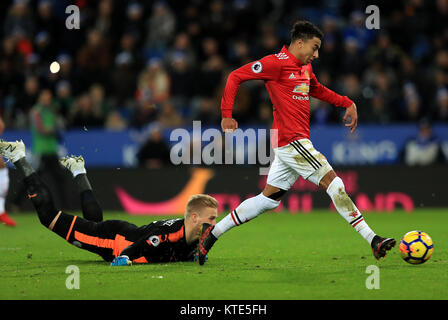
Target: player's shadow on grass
138	266
87	262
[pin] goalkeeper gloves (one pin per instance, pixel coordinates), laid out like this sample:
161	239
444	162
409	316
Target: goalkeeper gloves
121	261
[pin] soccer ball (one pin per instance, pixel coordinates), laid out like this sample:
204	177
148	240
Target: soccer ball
416	247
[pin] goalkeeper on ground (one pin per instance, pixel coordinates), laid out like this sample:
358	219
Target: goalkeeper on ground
116	241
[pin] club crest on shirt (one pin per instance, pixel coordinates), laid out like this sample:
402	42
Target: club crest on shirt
307	75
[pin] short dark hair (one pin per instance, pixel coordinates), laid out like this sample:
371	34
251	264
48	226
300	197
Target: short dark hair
305	30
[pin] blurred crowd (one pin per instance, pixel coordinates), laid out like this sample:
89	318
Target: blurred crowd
132	63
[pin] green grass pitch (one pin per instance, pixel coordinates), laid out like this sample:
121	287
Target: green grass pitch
278	256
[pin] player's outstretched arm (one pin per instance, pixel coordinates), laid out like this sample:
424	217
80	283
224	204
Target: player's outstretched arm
266	69
146	245
130	253
351	116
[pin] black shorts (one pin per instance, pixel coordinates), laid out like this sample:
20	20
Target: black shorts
105	238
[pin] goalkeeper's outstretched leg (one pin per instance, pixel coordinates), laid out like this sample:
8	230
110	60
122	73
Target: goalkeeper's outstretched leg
89	233
37	191
91	209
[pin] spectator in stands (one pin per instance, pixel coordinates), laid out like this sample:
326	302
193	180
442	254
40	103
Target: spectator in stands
199	44
379	113
64	98
46	136
350	61
104	21
330	57
211	69
154	82
25	101
135	23
207	113
145	113
442	105
115	122
388	53
265	114
424	149
169	117
330	54
352	87
46	21
128	45
154	153
386	90
161	26
11	60
101	105
181	46
44	47
270	41
124	78
412	110
19	20
84	115
357	32
239	53
67	72
183	83
94	60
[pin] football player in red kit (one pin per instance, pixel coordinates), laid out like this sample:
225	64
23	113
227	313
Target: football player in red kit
290	81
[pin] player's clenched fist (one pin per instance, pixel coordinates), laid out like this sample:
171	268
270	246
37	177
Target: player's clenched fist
351	118
229	124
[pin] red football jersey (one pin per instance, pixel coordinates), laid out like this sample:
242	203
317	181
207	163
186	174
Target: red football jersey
290	85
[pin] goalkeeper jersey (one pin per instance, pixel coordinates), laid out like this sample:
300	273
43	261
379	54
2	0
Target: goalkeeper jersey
162	241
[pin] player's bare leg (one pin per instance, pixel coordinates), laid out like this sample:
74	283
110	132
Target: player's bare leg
4	186
347	209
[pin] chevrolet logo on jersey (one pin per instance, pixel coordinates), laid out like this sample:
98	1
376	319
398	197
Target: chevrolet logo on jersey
303	88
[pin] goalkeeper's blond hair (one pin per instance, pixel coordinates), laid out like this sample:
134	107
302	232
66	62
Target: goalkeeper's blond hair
198	202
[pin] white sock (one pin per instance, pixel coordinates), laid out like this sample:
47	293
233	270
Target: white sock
4	186
347	209
247	210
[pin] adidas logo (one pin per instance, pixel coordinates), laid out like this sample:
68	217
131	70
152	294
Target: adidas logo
292	76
